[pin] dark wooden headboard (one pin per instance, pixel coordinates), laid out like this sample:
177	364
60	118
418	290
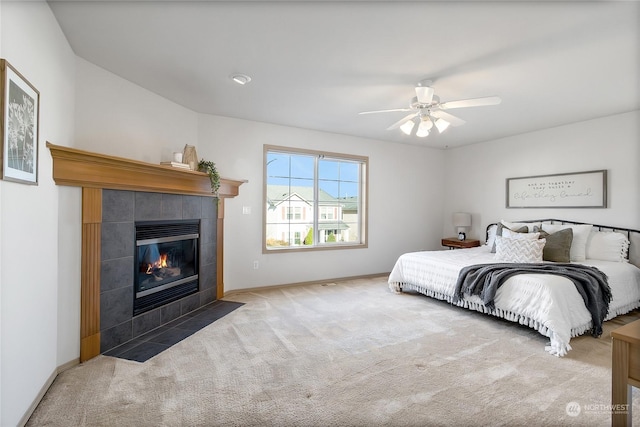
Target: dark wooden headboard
632	235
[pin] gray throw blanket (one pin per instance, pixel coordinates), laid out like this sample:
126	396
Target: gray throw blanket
484	280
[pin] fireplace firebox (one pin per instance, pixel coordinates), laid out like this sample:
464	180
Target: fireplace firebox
166	262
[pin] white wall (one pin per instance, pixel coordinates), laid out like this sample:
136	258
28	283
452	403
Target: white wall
119	118
477	174
404	202
33	43
116	117
69	272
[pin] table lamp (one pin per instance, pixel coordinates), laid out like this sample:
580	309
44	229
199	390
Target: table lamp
461	220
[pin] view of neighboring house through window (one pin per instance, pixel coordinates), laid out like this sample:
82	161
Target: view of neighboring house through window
313	199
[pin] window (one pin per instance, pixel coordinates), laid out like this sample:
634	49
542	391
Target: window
294	212
313	200
327	212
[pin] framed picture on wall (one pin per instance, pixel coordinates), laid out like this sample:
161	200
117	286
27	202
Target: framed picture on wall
20	111
563	190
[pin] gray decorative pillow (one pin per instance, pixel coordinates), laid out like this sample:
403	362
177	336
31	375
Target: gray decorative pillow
523	229
558	247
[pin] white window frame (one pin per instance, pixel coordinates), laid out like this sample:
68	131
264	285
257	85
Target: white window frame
318	242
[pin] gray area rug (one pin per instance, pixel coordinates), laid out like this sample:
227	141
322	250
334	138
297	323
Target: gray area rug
345	354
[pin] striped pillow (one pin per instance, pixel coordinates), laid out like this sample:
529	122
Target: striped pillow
519	250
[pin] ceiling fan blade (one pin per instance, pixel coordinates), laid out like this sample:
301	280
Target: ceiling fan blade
386	111
474	102
453	120
403	120
424	94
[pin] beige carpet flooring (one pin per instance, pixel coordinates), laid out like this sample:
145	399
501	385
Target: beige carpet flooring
345	354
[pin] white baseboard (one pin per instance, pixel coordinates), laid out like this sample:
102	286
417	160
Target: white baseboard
312	282
45	388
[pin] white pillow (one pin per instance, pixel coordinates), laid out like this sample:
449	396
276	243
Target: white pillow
499	228
607	246
516	225
519	250
578	251
491	235
515	235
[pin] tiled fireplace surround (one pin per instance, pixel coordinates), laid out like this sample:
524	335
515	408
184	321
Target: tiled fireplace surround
116	192
120	211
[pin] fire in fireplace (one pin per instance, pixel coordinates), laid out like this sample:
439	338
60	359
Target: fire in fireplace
166	262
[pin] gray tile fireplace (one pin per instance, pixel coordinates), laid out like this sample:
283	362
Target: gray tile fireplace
136	191
121	210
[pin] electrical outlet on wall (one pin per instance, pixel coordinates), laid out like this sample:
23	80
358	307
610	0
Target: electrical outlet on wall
256	265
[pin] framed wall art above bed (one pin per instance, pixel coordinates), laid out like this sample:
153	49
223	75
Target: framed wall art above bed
565	190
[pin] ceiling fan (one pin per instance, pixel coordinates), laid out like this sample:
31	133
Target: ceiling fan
429	111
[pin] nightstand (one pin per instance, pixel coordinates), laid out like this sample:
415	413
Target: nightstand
625	371
454	243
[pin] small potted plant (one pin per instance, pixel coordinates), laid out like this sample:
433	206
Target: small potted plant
209	168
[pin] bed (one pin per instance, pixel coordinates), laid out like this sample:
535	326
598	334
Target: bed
549	303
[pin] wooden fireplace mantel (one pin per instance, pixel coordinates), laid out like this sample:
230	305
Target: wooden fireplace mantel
95	172
80	168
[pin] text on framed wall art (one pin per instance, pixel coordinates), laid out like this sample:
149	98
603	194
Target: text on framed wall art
566	190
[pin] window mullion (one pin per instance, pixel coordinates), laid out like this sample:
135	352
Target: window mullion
316	207
361	196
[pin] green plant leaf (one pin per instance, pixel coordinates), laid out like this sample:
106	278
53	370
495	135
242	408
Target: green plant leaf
209	168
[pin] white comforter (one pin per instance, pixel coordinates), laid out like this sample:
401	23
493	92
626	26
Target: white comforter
547	303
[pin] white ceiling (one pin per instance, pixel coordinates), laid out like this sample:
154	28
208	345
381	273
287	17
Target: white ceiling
316	64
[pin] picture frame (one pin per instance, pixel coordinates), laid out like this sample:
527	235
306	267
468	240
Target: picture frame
564	190
20	126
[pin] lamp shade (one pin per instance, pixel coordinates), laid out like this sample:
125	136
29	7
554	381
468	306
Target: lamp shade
407	127
461	219
423	128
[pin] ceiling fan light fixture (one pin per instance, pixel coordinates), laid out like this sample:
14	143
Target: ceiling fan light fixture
422	132
431	112
423	128
407	127
241	79
442	125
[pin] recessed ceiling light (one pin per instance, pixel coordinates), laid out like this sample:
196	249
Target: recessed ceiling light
241	79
